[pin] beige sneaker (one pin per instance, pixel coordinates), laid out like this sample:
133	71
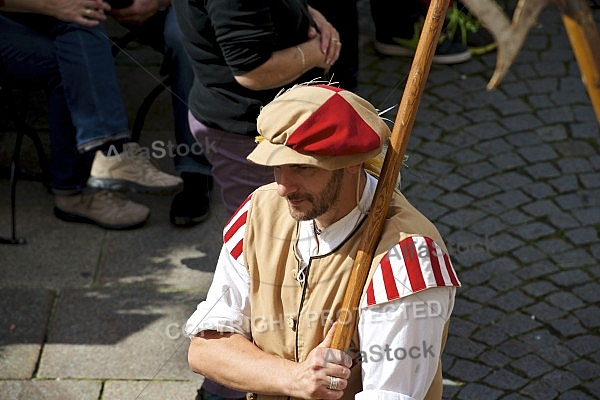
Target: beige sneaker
131	170
103	208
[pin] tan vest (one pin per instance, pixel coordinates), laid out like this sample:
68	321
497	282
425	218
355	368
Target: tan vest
289	319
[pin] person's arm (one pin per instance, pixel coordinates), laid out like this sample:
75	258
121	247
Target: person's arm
286	66
320	51
234	360
401	344
221	350
84	12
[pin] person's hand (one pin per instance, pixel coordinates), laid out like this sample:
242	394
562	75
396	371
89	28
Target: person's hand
323	368
329	36
84	12
137	13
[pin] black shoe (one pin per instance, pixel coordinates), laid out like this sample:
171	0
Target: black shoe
191	206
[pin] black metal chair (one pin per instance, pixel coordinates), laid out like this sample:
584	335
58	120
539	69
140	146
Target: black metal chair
17	107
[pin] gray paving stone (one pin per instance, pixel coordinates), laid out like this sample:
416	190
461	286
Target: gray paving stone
570	278
504	282
536	270
575	395
503	243
565	184
514	217
589	292
541	208
574	148
513	300
537	152
539	190
507	161
557	355
584	345
469	371
96	333
493	358
529	254
533	231
544	312
531	366
486	316
479	294
560	380
539	390
539	288
589	317
517	324
584	369
505	380
543	171
572	165
478	391
24	316
563	221
564	300
568	326
463	347
590	180
573	258
50	390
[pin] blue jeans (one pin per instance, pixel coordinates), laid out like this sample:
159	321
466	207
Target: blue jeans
74	64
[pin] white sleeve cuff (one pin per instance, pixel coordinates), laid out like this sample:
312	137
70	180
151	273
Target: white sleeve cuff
381	395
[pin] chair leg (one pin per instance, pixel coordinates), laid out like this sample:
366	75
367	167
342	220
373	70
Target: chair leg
14	171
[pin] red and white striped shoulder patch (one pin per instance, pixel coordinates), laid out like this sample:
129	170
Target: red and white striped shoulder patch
233	234
414	264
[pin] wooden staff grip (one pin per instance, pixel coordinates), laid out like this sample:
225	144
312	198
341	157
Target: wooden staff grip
405	119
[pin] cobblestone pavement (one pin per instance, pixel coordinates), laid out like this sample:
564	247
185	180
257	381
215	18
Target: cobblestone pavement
510	177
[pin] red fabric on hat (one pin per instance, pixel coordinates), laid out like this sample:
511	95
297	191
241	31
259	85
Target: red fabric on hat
322	133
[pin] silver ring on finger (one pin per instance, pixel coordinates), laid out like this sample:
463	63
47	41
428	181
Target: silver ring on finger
88	12
333	383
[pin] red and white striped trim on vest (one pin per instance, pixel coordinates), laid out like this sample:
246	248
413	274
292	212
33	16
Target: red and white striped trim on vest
233	234
414	264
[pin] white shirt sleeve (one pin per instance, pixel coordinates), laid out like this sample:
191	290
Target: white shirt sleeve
400	344
227	305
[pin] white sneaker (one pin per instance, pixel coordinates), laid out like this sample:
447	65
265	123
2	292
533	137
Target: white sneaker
131	170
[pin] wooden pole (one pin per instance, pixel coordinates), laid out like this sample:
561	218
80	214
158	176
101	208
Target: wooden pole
405	119
585	42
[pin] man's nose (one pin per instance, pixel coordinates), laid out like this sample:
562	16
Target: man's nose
286	184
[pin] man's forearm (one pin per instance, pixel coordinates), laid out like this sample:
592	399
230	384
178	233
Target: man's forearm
234	361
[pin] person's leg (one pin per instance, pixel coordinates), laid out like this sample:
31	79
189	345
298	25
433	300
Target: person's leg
30	60
91	85
96	106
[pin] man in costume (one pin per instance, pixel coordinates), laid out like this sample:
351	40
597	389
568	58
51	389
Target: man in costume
267	322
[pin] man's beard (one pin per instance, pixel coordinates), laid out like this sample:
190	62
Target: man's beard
322	202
